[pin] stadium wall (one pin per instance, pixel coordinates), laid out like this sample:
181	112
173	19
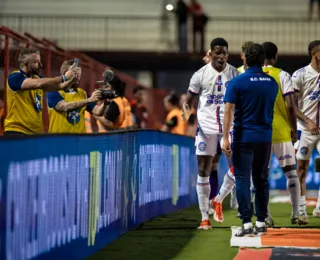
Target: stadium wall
153	33
217	8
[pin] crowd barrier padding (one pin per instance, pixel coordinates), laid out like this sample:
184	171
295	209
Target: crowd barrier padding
66	197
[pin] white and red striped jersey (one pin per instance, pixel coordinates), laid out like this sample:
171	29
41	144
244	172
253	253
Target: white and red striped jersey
306	81
211	86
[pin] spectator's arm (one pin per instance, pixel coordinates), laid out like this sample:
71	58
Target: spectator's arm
18	81
97	110
112	112
170	124
56	101
108	125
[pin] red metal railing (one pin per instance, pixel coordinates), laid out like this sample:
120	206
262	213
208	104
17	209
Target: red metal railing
53	56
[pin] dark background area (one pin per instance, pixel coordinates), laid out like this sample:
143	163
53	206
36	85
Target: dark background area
173	70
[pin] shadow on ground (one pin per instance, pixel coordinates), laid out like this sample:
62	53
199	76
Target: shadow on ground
163	237
160	238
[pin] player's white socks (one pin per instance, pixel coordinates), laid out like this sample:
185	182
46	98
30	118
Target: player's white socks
293	187
318	201
260	224
302	206
226	187
203	191
247	225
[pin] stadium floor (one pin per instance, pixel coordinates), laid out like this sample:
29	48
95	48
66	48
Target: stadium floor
175	236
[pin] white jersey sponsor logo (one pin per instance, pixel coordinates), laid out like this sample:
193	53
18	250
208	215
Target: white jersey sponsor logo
306	81
211	86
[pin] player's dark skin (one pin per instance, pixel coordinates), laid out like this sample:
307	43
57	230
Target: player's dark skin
219	56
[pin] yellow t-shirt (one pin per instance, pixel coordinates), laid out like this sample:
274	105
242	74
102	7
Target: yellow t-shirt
281	129
24	106
241	69
67	122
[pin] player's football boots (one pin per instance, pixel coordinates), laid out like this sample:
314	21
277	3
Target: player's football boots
218	213
205	225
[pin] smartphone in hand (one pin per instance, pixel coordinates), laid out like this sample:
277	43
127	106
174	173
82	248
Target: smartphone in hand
76	62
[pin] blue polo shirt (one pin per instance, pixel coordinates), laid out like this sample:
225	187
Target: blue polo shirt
254	94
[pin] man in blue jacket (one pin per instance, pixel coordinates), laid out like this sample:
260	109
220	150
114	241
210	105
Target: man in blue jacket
250	99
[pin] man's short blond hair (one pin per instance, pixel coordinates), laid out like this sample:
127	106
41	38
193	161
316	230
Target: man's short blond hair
246	45
66	65
25	54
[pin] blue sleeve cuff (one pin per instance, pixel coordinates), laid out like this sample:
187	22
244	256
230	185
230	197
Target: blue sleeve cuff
91	106
53	99
288	93
193	93
229	101
15	81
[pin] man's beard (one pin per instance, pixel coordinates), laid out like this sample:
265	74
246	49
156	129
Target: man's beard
33	71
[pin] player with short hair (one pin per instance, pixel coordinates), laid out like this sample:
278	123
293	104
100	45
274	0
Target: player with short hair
250	100
228	185
209	83
306	84
215	161
284	129
284	122
242	69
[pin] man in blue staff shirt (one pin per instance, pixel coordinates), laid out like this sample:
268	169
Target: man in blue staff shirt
250	100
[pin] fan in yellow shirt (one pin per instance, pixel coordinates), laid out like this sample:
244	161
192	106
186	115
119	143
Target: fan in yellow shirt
25	93
67	107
